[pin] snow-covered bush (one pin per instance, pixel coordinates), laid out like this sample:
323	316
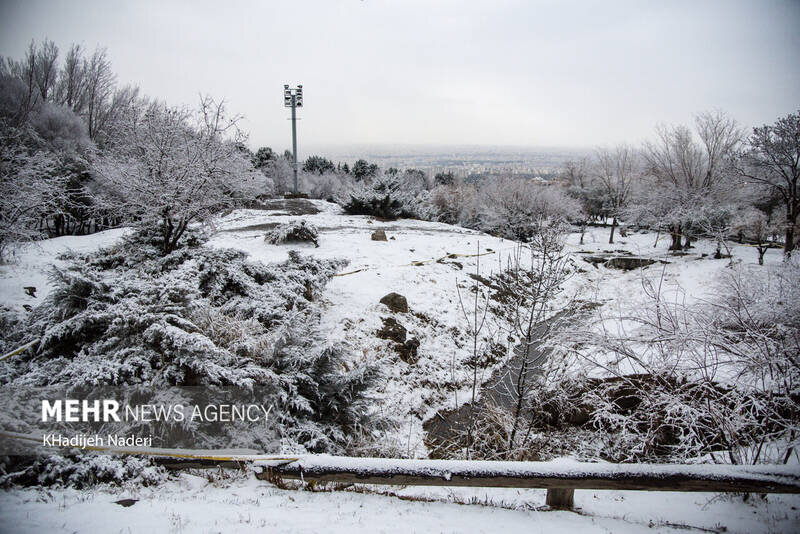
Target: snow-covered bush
665	381
293	232
720	376
202	317
512	207
11	324
454	204
387	196
326	186
84	470
60	127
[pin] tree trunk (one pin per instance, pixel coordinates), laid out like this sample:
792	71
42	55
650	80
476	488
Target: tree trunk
788	245
166	232
613	227
675	234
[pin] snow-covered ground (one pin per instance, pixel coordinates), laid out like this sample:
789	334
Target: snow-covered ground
354	312
194	504
31	265
439	380
405	264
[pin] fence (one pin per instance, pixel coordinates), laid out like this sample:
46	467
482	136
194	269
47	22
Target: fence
559	478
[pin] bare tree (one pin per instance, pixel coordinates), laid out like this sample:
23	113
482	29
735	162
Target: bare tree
617	170
475	318
689	166
754	225
21	92
46	69
531	311
580	186
174	166
576	173
773	159
71	86
29	189
100	81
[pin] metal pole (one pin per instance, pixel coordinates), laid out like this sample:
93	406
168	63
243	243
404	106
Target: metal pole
294	140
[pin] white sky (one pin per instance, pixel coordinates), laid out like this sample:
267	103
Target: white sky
533	73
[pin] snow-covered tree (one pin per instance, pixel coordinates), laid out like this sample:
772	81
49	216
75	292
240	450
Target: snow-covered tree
364	170
755	226
773	160
514	207
176	166
318	165
690	169
388	196
30	187
454	204
128	316
617	170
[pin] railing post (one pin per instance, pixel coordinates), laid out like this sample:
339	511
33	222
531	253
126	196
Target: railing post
560	498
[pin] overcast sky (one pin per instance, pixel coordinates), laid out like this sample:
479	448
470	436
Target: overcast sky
533	73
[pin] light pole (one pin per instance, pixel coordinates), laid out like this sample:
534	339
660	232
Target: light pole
293	98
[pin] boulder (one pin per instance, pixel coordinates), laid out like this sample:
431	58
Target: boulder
379	235
395	302
627	263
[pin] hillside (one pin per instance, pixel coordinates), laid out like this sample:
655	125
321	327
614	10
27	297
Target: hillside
430	265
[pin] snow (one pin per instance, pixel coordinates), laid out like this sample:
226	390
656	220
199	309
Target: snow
412	393
692	273
32	263
241	504
438	381
353	310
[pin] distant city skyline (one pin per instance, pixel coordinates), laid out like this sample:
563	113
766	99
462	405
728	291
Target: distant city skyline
414	73
461	160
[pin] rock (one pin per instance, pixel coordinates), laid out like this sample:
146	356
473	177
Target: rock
595	260
126	502
620	260
291	196
392	330
395	302
408	351
627	263
379	235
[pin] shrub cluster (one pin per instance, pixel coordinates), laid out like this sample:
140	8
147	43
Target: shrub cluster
293	232
202	317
